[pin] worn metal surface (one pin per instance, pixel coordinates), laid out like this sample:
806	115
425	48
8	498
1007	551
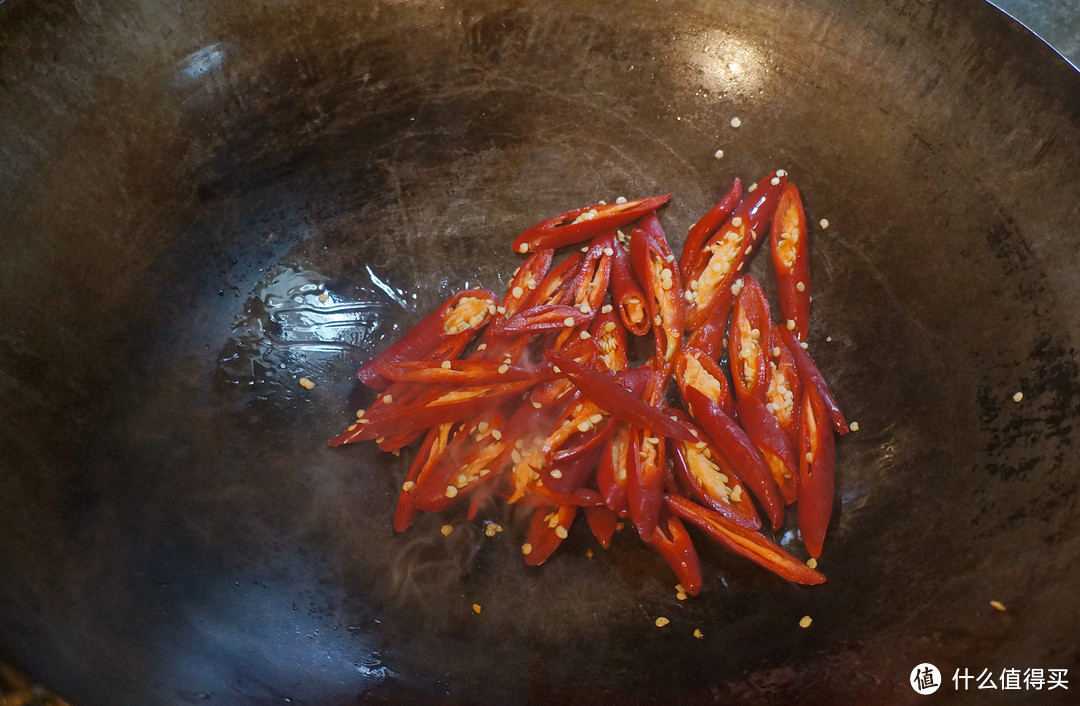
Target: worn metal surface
182	182
1057	22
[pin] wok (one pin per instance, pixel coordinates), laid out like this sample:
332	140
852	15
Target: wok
181	183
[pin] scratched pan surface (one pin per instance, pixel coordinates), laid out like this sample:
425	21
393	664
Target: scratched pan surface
181	184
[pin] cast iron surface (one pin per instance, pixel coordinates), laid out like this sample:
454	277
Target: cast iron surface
181	183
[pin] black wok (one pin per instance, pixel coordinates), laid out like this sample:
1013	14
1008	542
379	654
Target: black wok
181	183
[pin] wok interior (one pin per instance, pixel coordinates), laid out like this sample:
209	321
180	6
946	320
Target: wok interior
188	183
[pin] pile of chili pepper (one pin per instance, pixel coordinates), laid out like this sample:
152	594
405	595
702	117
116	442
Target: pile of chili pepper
531	398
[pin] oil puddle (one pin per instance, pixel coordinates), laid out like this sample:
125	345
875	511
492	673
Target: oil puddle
295	325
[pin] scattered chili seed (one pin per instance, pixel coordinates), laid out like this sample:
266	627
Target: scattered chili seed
998	605
476	608
1018	396
805	621
662	621
307	383
446	530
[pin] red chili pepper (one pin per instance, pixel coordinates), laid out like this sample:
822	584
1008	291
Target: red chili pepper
810	376
710	336
647	457
751	545
700	231
817	460
628	294
610	337
721	261
673	543
654	265
464	372
791	261
403	392
573	447
473	458
546	317
748	341
520	293
740	453
466	311
550	526
584	223
600	386
603	522
590	284
784	396
702	470
540	496
696	369
430	451
613	469
437	406
557	287
762	428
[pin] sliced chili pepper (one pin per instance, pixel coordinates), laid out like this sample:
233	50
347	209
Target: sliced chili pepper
810	376
648	456
721	261
540	495
590	283
602	521
695	368
817	460
549	527
600	386
784	396
748	341
400	393
673	543
478	498
468	372
573	447
584	223
430	451
709	223
628	294
612	469
762	428
437	406
466	311
740	453
610	337
710	336
654	265
791	261
557	287
473	458
527	428
751	545
703	471
520	293
546	317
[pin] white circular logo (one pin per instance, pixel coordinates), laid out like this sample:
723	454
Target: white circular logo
925	679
